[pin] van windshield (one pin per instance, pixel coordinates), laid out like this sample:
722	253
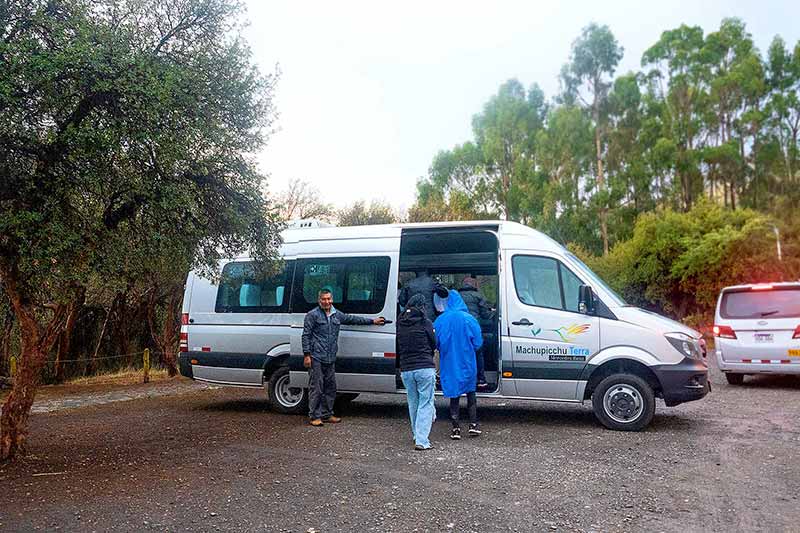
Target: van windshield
595	280
772	303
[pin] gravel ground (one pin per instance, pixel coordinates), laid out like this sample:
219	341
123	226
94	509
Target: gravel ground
206	459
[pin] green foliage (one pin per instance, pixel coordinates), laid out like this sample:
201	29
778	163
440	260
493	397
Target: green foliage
678	262
361	214
125	135
494	174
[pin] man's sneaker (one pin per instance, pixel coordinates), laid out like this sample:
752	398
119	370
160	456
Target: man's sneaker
332	420
482	385
421	448
455	434
317	422
474	430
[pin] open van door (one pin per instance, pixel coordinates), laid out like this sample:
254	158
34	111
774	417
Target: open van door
551	335
364	285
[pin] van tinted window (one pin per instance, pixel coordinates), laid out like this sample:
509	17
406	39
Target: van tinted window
545	282
772	303
358	284
240	290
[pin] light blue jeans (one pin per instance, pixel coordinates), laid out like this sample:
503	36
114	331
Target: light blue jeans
420	385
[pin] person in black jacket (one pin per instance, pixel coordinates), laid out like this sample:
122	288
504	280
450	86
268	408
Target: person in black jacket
416	342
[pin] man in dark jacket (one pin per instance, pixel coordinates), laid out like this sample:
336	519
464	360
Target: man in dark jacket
479	308
320	345
415	344
424	285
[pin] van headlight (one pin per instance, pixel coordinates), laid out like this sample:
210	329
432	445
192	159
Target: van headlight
685	344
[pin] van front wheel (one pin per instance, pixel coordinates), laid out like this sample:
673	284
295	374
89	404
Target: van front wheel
624	402
283	398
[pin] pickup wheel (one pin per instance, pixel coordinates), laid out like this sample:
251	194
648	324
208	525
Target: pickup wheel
624	402
734	379
283	398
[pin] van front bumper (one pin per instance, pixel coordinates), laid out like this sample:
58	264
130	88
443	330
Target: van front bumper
683	382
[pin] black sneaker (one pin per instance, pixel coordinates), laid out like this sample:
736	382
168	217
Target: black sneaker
455	434
474	430
482	385
420	448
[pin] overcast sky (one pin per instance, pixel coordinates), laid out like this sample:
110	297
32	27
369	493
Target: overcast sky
371	91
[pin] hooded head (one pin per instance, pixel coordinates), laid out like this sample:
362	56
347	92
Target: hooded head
417	302
455	302
470	282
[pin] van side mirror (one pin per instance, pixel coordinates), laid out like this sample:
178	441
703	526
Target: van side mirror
586	300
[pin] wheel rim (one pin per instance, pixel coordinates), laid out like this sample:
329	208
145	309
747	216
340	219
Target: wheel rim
287	396
623	403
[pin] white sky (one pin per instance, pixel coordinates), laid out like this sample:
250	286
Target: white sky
371	91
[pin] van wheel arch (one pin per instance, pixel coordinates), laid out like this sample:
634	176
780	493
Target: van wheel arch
282	398
622	366
273	363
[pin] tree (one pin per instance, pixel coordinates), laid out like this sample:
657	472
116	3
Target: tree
593	60
360	214
675	103
124	135
783	112
495	174
300	200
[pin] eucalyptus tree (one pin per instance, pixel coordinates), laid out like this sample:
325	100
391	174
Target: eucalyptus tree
677	94
587	78
736	87
783	111
126	134
493	173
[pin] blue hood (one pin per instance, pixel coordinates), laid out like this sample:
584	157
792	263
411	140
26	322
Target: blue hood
455	302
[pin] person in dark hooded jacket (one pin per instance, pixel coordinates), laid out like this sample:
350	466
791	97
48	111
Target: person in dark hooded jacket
416	342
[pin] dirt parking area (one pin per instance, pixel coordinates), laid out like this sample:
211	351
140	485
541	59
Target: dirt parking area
215	459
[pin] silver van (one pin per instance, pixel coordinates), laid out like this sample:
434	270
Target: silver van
559	333
757	330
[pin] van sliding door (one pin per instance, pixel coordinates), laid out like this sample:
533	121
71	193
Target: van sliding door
363	286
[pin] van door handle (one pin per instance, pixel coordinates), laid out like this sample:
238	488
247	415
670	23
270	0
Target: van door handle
522	322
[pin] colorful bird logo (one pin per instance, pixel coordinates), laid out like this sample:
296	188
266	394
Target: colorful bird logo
567	333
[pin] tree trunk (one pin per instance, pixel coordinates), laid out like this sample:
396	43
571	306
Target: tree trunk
16	410
169	337
36	342
65	339
5	337
601	180
166	337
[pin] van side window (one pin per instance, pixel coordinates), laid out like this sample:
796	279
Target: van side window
358	284
240	290
545	282
571	285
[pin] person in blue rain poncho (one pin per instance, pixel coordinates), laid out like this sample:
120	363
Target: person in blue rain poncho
458	335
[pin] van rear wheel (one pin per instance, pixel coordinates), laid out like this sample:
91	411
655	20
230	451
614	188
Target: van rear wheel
624	402
283	398
734	379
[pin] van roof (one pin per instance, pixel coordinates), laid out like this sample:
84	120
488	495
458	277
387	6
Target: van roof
394	230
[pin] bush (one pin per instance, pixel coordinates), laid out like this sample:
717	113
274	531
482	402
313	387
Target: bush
677	263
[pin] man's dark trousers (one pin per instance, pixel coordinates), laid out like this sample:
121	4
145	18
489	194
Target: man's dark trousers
322	389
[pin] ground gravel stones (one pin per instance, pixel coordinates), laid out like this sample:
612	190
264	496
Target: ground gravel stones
200	459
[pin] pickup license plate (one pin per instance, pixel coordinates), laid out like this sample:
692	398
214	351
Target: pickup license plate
794	353
763	337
